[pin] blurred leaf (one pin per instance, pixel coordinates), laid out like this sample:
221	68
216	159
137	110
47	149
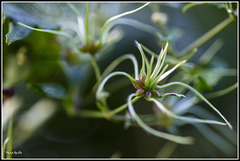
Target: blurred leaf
131	22
206	76
209	54
46	71
13	65
52	90
201	84
16	14
43	46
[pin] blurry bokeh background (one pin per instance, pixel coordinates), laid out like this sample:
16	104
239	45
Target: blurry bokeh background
42	128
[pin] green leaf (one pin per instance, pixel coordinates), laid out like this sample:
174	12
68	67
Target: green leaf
16	14
52	90
201	84
46	71
212	73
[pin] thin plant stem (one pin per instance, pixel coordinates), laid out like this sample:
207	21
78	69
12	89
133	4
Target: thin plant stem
74	9
167	150
115	63
118	61
208	55
91	114
207	36
123	107
96	69
101	86
221	92
4	147
10	137
100	114
116	17
174	138
52	32
215	94
101	97
190	119
87	36
199	95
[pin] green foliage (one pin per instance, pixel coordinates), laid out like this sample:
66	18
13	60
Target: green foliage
16	14
67	55
49	90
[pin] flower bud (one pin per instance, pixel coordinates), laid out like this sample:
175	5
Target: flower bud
142	78
148	94
137	84
158	17
140	91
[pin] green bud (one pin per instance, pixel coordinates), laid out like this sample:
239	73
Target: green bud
137	84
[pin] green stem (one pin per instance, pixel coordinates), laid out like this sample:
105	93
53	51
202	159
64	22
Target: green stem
207	36
123	107
189	119
221	92
115	63
116	17
10	136
4	147
174	138
100	114
91	114
87	37
102	104
96	69
101	86
167	150
199	95
52	32
74	9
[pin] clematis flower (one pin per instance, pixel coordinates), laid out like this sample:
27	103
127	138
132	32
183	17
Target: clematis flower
93	39
147	84
91	36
